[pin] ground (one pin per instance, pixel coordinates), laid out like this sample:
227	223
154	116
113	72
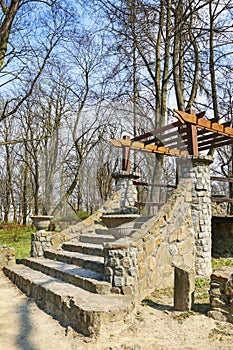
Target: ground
154	325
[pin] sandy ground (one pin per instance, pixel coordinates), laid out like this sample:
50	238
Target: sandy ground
23	326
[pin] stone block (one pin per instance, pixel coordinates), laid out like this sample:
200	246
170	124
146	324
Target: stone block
115	290
184	288
149	246
217	315
113	262
229	288
119	271
173	250
118	281
172	236
126	262
108	271
141	256
151	263
142	270
182	234
127	290
132	272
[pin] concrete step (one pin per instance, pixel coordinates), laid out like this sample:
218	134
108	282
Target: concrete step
90	262
85	312
84	248
94	238
86	279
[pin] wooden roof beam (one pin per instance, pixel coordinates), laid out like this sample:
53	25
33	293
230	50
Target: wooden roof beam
139	146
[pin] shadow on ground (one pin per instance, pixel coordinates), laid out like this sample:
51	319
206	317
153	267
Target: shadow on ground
200	308
25	327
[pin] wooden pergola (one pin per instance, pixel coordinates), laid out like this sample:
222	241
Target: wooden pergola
190	134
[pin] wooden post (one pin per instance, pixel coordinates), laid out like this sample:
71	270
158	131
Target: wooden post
192	136
125	156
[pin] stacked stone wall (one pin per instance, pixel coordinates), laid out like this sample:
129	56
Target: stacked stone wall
221	295
7	256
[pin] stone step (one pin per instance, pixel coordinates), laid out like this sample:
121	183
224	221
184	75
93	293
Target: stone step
85	312
86	279
84	248
90	262
144	218
94	238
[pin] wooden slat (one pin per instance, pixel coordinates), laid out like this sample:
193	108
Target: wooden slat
213	141
164	138
216	145
157	131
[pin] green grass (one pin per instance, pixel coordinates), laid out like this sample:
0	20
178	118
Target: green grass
220	262
18	237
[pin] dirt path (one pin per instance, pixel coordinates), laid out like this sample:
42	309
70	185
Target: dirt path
23	326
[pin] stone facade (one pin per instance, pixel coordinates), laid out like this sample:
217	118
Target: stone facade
7	256
221	295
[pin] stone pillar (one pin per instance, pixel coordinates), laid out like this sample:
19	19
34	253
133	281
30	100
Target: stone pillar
184	286
128	191
40	241
197	168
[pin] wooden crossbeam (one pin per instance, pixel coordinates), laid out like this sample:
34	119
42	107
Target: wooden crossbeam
140	146
201	123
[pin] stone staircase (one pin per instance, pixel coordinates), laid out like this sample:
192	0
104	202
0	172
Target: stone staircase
69	282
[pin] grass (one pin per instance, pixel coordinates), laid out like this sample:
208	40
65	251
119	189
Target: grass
18	237
220	262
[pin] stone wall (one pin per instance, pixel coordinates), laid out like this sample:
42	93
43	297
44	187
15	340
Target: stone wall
221	295
144	261
180	235
7	256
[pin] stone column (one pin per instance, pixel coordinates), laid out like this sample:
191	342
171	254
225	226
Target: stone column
198	169
128	191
